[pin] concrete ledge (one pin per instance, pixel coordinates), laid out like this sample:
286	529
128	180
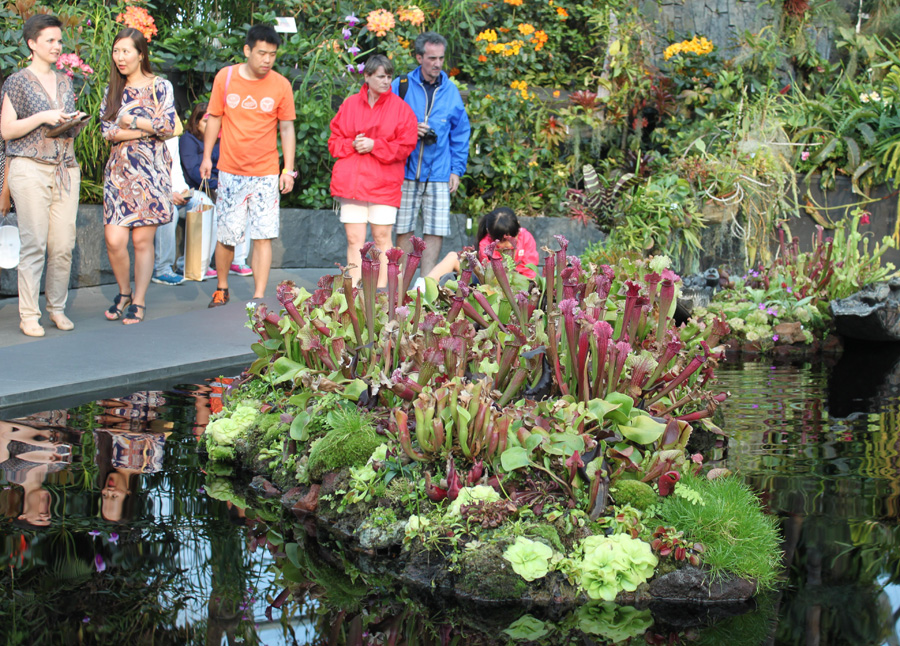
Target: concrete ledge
309	238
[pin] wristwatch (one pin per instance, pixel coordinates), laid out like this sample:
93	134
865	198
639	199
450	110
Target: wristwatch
292	173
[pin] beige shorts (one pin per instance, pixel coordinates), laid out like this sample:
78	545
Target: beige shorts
359	212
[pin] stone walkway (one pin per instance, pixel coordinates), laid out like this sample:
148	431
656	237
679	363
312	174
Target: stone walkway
179	340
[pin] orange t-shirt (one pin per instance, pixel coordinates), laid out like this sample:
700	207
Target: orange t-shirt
250	115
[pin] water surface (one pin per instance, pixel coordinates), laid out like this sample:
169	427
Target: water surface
114	534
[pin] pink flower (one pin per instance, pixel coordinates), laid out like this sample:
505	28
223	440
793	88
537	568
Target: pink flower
864	218
804	155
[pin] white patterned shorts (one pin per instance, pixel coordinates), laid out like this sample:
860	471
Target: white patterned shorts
244	202
433	198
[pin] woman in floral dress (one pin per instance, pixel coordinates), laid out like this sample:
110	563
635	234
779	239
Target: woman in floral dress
137	113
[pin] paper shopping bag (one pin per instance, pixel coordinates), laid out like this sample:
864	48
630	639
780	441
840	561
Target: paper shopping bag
197	232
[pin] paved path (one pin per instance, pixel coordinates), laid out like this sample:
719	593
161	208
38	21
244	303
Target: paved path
180	339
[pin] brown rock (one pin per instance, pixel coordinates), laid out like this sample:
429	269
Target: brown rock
789	333
308	503
693	584
262	487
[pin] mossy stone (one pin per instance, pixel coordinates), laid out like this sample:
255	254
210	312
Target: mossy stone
638	494
485	574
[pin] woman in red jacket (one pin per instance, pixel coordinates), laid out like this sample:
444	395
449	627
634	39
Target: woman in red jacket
372	135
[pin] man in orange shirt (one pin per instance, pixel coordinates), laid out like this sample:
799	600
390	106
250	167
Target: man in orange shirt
249	102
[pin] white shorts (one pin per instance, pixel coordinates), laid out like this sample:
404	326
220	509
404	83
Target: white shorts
359	212
246	202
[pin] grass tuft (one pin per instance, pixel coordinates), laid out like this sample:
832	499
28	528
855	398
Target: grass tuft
737	535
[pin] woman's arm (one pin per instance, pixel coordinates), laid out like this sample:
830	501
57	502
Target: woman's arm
12	127
340	143
401	142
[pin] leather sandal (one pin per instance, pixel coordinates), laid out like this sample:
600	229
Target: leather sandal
120	302
131	314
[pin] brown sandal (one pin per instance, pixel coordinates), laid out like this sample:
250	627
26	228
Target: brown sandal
120	302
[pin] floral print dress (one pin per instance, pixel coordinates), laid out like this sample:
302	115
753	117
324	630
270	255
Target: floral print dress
137	181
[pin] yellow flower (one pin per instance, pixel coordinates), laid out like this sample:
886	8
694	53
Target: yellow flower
698	45
380	22
412	14
515	3
525	29
555	94
488	35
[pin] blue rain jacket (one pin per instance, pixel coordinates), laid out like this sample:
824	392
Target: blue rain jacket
448	119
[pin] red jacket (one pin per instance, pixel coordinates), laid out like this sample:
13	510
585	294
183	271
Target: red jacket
526	252
376	176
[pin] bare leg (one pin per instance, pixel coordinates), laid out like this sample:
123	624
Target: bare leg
261	264
431	254
356	237
448	264
144	259
224	258
381	234
117	250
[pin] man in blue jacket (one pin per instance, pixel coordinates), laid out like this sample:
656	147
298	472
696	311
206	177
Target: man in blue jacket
439	159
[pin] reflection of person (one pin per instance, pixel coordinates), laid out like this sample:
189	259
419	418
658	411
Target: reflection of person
372	135
250	103
121	457
137	110
439	160
44	177
27	456
500	225
191	150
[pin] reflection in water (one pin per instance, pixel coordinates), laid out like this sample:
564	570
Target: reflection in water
113	533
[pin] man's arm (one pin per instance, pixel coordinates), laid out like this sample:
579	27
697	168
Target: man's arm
459	145
288	147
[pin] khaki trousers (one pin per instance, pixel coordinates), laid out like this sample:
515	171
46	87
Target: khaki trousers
46	216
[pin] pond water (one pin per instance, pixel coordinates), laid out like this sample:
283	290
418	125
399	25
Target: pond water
114	534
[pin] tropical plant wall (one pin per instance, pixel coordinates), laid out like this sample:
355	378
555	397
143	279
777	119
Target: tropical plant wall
717	126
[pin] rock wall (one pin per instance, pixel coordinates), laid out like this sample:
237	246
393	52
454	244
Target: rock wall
309	238
721	21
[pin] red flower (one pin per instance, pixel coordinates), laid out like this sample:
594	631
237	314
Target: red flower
864	218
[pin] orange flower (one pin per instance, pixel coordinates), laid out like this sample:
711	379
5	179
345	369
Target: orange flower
555	94
515	3
482	59
504	30
380	22
454	71
562	13
412	15
138	18
539	39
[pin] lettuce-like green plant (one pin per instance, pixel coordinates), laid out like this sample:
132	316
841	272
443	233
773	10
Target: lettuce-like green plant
529	559
616	623
527	628
469	495
611	564
221	433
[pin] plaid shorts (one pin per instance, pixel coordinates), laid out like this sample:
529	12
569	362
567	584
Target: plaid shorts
433	198
244	202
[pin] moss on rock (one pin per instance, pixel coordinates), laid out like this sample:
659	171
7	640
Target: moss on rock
638	494
485	574
349	443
